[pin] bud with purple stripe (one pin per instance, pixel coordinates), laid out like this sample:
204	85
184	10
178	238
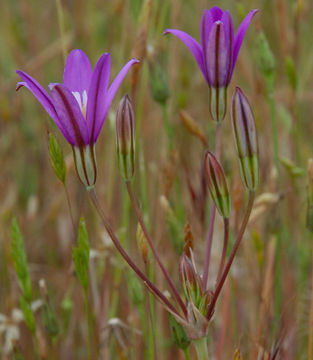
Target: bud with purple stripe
246	139
79	106
217	54
217	184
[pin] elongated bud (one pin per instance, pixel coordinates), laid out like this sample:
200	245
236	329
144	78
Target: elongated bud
192	284
217	184
188	276
188	240
246	139
125	138
86	165
218	103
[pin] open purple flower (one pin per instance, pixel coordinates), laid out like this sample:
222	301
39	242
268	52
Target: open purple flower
79	106
217	54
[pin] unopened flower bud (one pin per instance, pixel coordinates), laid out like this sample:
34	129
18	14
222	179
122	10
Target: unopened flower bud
217	184
246	139
125	138
86	164
218	103
188	275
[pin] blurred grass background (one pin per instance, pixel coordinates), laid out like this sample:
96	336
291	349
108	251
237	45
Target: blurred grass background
268	297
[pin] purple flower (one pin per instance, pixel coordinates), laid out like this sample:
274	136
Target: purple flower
79	106
218	52
219	48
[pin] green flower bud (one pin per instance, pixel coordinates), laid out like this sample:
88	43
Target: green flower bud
193	285
217	184
125	138
86	164
218	103
246	139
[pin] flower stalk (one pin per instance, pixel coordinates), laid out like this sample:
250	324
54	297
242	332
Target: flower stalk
138	213
224	251
117	244
202	348
212	215
239	237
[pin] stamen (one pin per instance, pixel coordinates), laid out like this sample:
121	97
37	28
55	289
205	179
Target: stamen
82	101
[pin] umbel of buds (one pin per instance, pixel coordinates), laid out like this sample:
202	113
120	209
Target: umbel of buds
217	184
246	139
125	138
198	299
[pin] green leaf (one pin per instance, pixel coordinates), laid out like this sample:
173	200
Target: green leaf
57	158
20	261
81	255
28	314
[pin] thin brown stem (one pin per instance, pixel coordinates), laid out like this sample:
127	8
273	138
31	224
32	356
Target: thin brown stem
137	210
117	244
232	255
223	257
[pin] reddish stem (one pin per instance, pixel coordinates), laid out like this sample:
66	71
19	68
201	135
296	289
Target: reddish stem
232	255
212	217
223	257
116	242
137	210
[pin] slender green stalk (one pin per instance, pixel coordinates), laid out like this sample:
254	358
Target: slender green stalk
70	211
202	348
88	319
274	129
152	330
186	353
